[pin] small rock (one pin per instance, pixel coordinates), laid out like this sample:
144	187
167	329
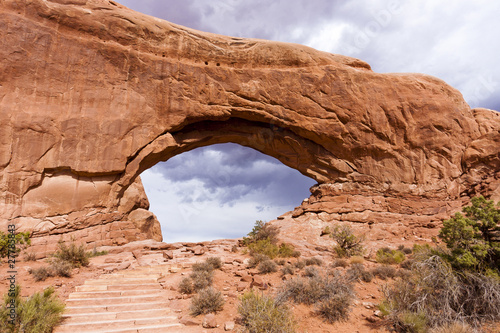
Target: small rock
246	278
137	254
209	321
257	281
378	313
241	286
240	273
123	266
198	250
229	326
238	260
168	255
371	319
188	321
368	305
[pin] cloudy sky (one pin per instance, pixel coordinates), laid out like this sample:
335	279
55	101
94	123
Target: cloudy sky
219	191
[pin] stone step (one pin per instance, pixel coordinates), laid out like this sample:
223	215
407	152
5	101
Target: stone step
119	325
115	308
116	300
105	316
112	287
111	293
131	275
120	281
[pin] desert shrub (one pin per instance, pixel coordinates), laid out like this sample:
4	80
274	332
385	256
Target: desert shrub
455	327
388	256
261	314
404	249
296	254
339	263
311	271
206	301
267	266
315	289
435	293
201	279
73	254
41	273
357	272
202	267
287	270
256	259
300	264
470	238
60	268
30	256
39	313
348	244
314	261
280	262
356	260
186	286
262	231
234	248
265	247
335	308
21	241
407	264
287	251
326	231
95	253
384	272
215	262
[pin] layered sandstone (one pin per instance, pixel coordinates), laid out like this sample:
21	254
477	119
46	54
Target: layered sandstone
92	94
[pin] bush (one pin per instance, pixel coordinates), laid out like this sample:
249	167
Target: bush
60	268
256	259
201	279
404	249
262	314
388	256
186	286
470	238
407	264
384	272
40	313
41	273
215	262
357	272
95	253
348	244
311	271
335	308
456	327
262	231
280	262
30	256
21	240
357	260
287	251
314	261
202	267
206	301
265	247
300	264
287	270
439	294
339	263
73	254
267	266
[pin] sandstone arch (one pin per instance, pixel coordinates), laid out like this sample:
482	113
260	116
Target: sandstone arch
92	93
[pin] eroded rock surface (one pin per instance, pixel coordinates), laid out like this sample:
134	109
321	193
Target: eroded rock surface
92	94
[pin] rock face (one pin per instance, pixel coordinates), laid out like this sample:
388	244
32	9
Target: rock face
92	94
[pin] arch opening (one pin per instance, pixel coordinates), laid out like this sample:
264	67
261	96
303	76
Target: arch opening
219	191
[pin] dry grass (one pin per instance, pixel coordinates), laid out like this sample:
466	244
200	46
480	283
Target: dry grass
206	301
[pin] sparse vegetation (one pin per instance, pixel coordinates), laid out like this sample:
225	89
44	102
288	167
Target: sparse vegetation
201	279
287	270
30	256
267	266
339	263
40	313
356	260
215	262
311	271
334	308
206	301
186	286
388	256
41	273
348	244
21	240
262	314
384	272
314	261
256	259
300	264
357	272
73	254
263	240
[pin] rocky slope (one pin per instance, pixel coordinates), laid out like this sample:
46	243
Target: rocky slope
93	93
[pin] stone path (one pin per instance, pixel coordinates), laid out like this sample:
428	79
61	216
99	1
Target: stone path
124	302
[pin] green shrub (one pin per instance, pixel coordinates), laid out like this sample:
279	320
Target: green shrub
73	254
267	266
265	247
348	244
201	279
470	238
21	240
206	301
40	313
314	262
261	231
256	259
388	256
262	314
411	322
287	251
95	253
404	249
186	286
60	268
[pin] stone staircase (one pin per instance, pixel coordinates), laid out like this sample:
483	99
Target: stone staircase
124	302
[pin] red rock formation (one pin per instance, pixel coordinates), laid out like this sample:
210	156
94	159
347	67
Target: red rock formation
92	94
